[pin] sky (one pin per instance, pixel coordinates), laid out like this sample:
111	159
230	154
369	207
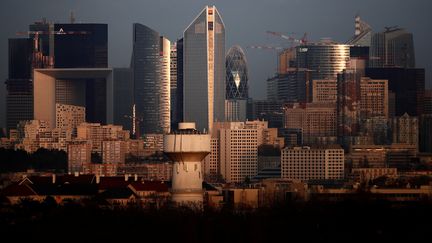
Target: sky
246	22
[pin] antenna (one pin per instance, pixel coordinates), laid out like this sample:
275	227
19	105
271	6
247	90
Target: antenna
72	17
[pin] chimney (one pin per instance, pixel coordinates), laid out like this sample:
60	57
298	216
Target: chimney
136	177
97	179
126	177
53	178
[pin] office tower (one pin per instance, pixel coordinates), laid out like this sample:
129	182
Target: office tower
236	74
268	110
236	85
187	147
19	98
173	84
408	84
405	129
348	107
427	102
373	130
234	147
285	87
362	35
178	103
425	132
373	98
324	59
238	148
204	69
392	48
151	73
286	61
316	120
123	90
309	163
83	46
324	91
391	103
69	117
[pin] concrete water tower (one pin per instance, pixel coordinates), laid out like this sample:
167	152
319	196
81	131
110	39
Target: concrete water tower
187	147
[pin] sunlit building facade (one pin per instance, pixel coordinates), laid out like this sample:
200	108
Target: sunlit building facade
204	69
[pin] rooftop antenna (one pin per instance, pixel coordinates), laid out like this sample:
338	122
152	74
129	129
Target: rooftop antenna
72	17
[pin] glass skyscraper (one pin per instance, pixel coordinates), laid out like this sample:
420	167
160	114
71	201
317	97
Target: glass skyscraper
204	69
151	75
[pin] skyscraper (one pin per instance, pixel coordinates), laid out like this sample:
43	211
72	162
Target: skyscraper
236	84
408	85
392	48
123	97
86	48
204	69
151	74
19	99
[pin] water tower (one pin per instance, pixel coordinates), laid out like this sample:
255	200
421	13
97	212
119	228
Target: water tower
187	147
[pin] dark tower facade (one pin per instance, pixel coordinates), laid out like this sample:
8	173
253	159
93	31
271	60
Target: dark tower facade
151	80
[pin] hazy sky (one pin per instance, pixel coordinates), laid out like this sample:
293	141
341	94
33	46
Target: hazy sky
246	22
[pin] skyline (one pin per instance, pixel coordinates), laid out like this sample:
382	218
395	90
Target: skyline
337	17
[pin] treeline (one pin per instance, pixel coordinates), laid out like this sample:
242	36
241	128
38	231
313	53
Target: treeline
41	160
322	222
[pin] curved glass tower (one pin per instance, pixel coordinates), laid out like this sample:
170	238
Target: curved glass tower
236	74
204	69
151	75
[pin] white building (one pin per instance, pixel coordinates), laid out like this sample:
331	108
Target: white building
306	163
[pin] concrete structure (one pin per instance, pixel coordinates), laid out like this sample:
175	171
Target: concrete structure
238	153
324	91
187	147
306	163
88	87
405	130
204	69
96	133
69	117
114	151
315	119
373	98
79	156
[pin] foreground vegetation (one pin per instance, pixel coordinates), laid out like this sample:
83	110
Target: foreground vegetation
343	222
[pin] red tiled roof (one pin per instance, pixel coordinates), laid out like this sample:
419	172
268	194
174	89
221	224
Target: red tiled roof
16	189
158	186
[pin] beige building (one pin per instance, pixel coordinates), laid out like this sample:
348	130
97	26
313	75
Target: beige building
324	91
69	116
234	147
96	133
306	163
114	151
315	119
373	98
405	130
79	157
238	154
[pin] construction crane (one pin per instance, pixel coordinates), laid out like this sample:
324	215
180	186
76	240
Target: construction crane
303	40
135	122
265	47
